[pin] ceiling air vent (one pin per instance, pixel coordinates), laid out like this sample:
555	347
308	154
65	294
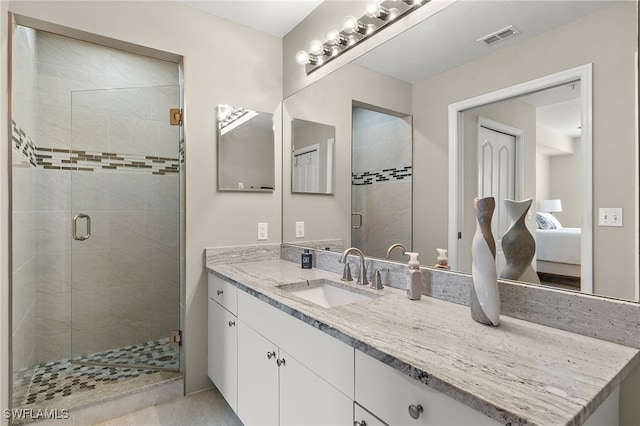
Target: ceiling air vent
500	35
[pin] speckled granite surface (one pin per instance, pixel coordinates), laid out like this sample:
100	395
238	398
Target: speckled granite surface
518	373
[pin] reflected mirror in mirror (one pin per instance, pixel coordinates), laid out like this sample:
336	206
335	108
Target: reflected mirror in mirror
313	146
553	37
246	150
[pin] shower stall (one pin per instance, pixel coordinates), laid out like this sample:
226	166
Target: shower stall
96	218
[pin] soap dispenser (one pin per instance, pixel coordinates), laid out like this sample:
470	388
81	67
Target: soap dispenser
441	261
414	290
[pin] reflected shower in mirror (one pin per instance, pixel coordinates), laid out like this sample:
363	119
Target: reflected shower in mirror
313	157
246	150
380	180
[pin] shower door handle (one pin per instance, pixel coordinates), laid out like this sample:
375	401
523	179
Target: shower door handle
359	225
75	227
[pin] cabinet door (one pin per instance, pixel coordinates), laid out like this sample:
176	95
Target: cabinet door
222	359
306	399
257	378
362	417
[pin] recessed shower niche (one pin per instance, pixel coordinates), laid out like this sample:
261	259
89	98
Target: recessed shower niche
96	207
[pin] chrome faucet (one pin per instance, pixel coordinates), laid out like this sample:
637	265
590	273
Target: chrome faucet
362	273
397	245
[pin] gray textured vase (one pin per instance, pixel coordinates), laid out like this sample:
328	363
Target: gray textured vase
518	245
484	298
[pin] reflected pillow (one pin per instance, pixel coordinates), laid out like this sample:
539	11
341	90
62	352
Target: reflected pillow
547	221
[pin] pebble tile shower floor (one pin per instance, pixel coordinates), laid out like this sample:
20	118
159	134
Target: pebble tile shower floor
53	381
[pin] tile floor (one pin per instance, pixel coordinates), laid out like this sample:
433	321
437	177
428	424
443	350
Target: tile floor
62	381
198	409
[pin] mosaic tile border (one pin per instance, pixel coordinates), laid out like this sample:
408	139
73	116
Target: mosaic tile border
23	143
88	161
385	175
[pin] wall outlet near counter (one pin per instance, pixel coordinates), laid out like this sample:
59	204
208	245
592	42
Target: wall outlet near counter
299	229
263	231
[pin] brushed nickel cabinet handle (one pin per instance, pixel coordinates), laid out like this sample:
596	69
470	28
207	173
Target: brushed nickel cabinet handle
415	411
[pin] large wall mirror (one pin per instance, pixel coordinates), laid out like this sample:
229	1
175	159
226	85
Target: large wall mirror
246	149
446	63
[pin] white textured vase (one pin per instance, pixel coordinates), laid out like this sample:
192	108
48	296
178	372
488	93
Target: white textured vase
484	298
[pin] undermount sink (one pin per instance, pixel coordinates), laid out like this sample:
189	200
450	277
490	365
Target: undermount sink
327	293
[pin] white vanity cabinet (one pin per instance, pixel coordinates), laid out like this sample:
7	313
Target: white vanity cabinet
276	385
362	417
222	357
398	399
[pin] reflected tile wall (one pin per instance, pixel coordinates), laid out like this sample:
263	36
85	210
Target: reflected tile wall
381	181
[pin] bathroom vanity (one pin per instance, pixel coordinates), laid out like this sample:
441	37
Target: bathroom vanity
280	358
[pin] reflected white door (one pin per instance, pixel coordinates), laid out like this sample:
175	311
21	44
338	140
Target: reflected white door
497	178
306	172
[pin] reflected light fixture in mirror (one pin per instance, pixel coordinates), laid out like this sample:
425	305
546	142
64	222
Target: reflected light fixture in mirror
229	117
377	15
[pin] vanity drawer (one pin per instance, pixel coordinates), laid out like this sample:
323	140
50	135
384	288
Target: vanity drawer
388	394
321	353
224	293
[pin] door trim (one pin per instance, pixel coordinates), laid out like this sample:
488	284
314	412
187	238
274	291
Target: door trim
583	73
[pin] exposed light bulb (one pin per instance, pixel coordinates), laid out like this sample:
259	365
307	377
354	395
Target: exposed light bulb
352	25
375	10
317	48
372	9
302	57
334	38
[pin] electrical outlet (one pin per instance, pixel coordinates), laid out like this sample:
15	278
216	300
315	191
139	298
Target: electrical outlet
610	217
299	229
263	231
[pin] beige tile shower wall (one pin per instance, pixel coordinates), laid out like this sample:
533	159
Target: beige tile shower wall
124	286
131	119
23	250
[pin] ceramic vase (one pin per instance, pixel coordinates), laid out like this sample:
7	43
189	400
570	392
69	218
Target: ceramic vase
518	245
484	298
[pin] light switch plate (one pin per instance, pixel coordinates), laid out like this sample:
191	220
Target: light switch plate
299	229
263	231
610	217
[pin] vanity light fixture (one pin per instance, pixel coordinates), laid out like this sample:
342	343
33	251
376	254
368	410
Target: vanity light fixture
377	15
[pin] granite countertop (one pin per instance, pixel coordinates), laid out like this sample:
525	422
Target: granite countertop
517	373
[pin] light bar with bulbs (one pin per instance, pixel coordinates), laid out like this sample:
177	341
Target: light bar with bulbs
377	15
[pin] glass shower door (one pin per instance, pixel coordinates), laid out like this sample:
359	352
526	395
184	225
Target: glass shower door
125	246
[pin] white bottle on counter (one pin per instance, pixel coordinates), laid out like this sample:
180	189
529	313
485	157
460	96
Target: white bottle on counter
414	290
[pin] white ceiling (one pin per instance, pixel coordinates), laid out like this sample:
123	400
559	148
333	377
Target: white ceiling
276	17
